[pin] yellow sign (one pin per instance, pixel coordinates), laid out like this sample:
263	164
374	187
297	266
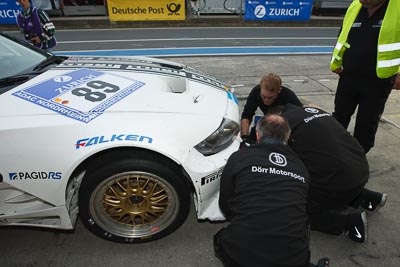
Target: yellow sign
130	10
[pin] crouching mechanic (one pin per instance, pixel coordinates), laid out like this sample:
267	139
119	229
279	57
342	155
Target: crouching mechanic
338	170
263	195
265	95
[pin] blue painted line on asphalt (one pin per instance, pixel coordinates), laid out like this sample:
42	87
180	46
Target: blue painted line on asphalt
265	50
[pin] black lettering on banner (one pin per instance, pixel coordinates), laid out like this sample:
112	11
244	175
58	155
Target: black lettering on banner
136	10
153	10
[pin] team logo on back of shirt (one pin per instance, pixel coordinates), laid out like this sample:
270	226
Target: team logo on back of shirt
277	159
311	110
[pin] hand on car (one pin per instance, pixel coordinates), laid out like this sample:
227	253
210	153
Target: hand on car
246	141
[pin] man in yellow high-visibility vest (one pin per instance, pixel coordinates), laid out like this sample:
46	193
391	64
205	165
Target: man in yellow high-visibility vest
367	59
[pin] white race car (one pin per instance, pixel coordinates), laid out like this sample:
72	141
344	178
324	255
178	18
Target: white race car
121	142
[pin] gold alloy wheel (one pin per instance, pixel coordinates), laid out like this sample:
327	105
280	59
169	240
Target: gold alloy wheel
134	204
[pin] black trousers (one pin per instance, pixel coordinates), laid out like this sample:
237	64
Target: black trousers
227	261
370	96
325	209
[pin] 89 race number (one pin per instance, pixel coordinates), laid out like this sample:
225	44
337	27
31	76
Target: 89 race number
95	90
96	93
82	94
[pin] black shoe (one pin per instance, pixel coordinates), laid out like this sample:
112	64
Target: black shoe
324	262
358	229
374	201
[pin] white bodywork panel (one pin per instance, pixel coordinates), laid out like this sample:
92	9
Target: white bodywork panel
52	123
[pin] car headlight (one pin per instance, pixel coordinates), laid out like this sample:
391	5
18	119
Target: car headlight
220	139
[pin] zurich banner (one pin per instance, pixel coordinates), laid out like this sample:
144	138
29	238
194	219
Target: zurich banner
291	10
9	10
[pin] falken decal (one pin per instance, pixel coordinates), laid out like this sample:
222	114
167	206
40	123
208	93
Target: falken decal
82	95
95	140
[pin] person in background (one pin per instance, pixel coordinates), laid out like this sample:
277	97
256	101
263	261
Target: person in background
265	95
263	194
36	26
195	7
367	59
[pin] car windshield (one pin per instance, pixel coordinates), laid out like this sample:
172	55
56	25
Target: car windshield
16	58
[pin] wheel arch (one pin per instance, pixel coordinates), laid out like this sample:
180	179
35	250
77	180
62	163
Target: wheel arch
120	152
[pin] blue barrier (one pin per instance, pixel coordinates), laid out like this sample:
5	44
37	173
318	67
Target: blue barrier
9	10
292	10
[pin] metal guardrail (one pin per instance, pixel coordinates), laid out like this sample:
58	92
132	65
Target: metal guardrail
337	7
332	3
97	7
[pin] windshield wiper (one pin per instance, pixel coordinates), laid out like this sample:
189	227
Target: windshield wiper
49	61
13	80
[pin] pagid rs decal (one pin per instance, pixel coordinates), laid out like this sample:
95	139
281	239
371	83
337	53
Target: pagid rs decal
38	175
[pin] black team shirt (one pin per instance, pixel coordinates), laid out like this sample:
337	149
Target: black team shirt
254	101
334	159
266	205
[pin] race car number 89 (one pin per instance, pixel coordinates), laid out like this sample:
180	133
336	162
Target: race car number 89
95	96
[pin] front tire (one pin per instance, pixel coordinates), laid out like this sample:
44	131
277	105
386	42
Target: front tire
134	200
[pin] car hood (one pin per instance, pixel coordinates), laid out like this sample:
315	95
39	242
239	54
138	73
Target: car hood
96	85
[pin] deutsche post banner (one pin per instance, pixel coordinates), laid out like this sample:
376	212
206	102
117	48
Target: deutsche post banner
131	10
285	10
9	11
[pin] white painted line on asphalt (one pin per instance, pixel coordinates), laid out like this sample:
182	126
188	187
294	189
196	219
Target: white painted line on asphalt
205	51
390	122
195	39
186	28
